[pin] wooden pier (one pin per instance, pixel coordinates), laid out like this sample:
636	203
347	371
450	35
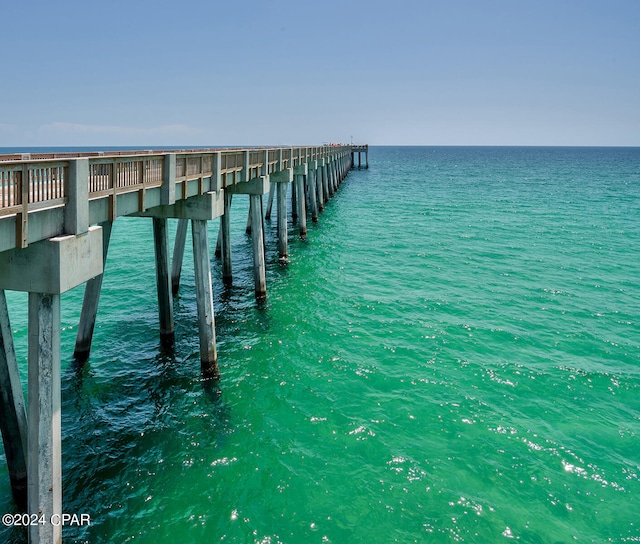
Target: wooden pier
56	214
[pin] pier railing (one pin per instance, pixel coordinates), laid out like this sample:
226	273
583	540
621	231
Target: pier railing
30	182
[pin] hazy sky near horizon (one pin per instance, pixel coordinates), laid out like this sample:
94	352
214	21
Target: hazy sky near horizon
283	72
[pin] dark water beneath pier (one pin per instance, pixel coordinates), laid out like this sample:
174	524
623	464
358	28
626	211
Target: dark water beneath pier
452	356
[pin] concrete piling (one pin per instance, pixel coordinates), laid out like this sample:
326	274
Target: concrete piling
283	252
44	466
225	238
325	181
302	208
313	202
320	184
267	214
218	251
13	416
294	203
165	302
204	300
248	228
89	312
178	254
257	237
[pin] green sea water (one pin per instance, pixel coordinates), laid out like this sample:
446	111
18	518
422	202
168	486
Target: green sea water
452	355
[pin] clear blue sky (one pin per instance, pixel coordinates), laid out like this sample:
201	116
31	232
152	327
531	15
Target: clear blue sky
278	72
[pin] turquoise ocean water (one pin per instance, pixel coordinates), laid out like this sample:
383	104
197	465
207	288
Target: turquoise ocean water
452	356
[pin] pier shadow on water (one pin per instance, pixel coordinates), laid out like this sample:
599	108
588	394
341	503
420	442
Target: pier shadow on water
131	427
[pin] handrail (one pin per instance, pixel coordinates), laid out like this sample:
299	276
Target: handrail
32	182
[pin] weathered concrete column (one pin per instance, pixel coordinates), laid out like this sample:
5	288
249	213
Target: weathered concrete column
294	203
13	416
255	188
302	209
320	184
282	180
204	299
313	202
165	301
89	312
199	209
218	251
178	254
299	174
283	252
44	442
257	238
46	269
332	177
225	237
247	230
272	191
325	181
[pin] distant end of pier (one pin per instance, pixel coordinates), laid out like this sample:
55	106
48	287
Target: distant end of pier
360	149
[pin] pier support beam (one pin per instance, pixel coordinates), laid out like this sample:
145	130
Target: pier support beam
178	255
272	190
325	181
46	269
13	416
313	202
302	208
247	230
89	312
225	240
198	209
283	252
299	174
165	302
333	176
218	251
44	443
294	203
328	193
204	207
320	184
204	299
257	238
282	179
255	188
